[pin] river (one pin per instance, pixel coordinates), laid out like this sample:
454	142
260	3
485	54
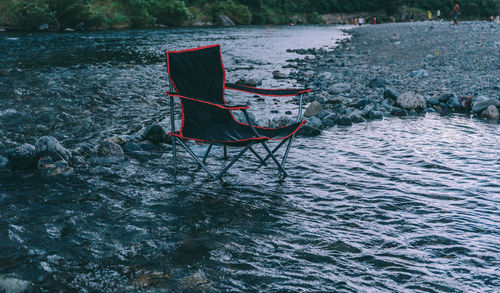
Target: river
401	204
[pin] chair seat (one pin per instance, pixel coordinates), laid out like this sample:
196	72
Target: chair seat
237	134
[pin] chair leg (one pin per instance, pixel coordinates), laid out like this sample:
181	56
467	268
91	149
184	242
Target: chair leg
174	153
275	160
283	162
262	162
275	149
197	159
219	176
207	152
225	152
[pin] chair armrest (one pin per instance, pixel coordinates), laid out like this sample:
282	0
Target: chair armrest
266	92
222	106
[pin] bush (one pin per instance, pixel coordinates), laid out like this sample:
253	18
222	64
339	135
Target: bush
29	14
239	13
314	18
170	12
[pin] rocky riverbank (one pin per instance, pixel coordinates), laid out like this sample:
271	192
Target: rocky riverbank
402	69
382	71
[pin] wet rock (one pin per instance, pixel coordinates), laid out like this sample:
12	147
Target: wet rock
314	121
12	284
155	134
411	100
50	168
429	110
339	88
481	103
280	121
132	147
390	94
444	97
420	73
313	109
399	112
22	157
49	146
279	75
83	150
344	121
308	130
491	113
454	103
249	81
224	20
356	116
77	160
377	83
106	153
432	101
466	102
376	115
118	140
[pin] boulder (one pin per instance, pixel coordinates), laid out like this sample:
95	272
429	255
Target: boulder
398	112
454	103
491	113
432	101
313	109
49	146
339	88
376	115
411	100
377	83
481	104
155	134
390	94
224	20
43	27
22	157
356	116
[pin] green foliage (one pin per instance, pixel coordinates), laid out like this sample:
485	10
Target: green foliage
169	12
103	14
239	13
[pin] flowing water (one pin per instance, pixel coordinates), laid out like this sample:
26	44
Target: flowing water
393	205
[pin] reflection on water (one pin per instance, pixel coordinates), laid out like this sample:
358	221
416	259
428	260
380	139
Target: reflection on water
400	204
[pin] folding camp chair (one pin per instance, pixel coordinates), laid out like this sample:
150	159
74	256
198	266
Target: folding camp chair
199	80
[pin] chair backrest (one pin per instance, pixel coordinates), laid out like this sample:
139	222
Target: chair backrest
199	73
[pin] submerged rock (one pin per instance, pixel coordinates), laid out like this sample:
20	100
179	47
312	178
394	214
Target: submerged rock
249	81
12	284
107	152
411	101
22	157
50	168
49	146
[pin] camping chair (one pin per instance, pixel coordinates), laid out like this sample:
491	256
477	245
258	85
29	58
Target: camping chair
199	80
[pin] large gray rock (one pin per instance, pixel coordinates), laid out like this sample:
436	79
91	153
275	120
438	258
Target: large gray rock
491	113
49	146
339	88
411	101
482	103
224	20
313	109
314	121
22	157
249	81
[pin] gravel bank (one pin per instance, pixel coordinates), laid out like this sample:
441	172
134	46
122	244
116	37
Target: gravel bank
404	69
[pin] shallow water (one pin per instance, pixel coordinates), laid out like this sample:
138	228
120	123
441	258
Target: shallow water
399	204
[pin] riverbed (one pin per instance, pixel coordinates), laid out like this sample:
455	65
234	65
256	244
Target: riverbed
399	204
